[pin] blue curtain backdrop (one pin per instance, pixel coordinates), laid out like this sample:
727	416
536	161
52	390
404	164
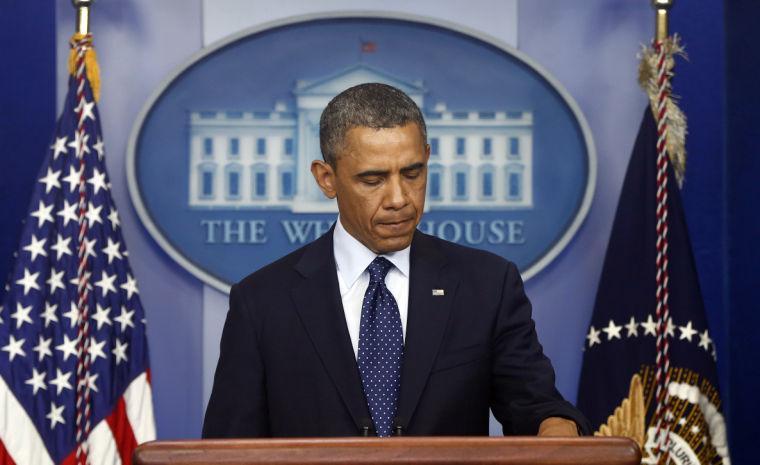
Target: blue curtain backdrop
27	110
718	92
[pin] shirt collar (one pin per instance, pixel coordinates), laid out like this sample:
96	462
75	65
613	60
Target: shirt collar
352	257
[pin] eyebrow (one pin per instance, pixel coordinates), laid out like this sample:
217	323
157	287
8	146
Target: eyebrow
370	173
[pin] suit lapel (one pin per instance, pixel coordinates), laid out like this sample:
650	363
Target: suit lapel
320	308
427	318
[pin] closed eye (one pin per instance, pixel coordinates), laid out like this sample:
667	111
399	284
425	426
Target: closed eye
413	171
413	174
371	181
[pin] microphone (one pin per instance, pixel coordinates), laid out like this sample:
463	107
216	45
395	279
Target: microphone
367	429
398	426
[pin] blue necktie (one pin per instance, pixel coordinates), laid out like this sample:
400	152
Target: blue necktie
381	348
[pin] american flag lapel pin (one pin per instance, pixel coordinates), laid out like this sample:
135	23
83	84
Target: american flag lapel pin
437	292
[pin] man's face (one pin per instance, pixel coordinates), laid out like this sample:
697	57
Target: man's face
379	181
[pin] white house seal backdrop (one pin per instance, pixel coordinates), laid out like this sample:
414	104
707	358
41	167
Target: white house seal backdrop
219	159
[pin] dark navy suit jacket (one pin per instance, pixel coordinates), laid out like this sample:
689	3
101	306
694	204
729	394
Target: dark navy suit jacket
287	367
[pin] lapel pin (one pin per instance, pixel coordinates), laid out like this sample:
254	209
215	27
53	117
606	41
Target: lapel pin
437	292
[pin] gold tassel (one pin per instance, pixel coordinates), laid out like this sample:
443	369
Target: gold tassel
676	143
90	65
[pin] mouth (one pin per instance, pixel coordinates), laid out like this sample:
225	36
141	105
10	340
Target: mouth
396	226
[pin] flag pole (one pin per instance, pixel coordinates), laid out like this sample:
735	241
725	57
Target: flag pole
661	18
83	15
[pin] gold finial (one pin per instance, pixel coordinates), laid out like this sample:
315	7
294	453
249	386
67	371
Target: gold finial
83	15
661	20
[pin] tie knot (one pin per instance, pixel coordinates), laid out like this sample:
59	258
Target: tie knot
378	269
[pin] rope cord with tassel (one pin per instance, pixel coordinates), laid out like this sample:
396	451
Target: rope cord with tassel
83	57
654	76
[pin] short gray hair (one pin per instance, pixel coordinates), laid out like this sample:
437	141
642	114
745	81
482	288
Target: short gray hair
372	105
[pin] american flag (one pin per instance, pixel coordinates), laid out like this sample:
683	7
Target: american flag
74	376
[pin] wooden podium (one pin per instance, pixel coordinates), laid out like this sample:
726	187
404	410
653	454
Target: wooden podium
396	451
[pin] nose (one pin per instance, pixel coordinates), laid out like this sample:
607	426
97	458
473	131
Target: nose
395	198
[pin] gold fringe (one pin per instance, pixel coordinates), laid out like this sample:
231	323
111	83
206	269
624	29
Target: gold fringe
676	144
628	419
90	65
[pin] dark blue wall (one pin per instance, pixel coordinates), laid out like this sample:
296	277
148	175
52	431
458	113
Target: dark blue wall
742	157
27	111
721	98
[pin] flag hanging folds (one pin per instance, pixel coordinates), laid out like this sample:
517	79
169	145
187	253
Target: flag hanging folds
75	383
649	276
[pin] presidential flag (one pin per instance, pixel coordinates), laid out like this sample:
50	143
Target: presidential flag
649	359
74	377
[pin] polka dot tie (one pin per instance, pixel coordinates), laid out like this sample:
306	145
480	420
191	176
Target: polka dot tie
381	347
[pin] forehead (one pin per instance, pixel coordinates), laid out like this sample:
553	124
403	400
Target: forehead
367	145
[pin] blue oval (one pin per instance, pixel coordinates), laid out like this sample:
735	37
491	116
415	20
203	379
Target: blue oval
217	162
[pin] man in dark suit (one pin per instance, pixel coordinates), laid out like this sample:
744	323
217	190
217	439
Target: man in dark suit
376	328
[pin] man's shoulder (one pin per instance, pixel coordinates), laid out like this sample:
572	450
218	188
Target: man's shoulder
278	273
467	258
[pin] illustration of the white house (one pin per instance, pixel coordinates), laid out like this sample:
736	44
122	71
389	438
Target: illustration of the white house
261	159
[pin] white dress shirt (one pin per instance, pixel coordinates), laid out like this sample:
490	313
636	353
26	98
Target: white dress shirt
352	259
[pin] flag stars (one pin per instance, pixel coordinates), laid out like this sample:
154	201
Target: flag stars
93	214
705	341
687	332
61	247
29	281
112	250
650	326
68	347
73	178
89	247
99	148
670	328
113	217
43	348
98	180
37	381
43	213
130	286
106	283
120	351
50	180
59	147
101	315
36	247
96	349
90	382
125	319
632	328
85	276
593	336
21	315
55	280
72	314
612	331
68	212
14	347
86	109
79	144
55	415
49	314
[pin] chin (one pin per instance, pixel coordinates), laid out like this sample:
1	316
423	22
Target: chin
393	244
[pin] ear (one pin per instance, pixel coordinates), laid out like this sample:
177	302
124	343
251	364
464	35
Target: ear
325	176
